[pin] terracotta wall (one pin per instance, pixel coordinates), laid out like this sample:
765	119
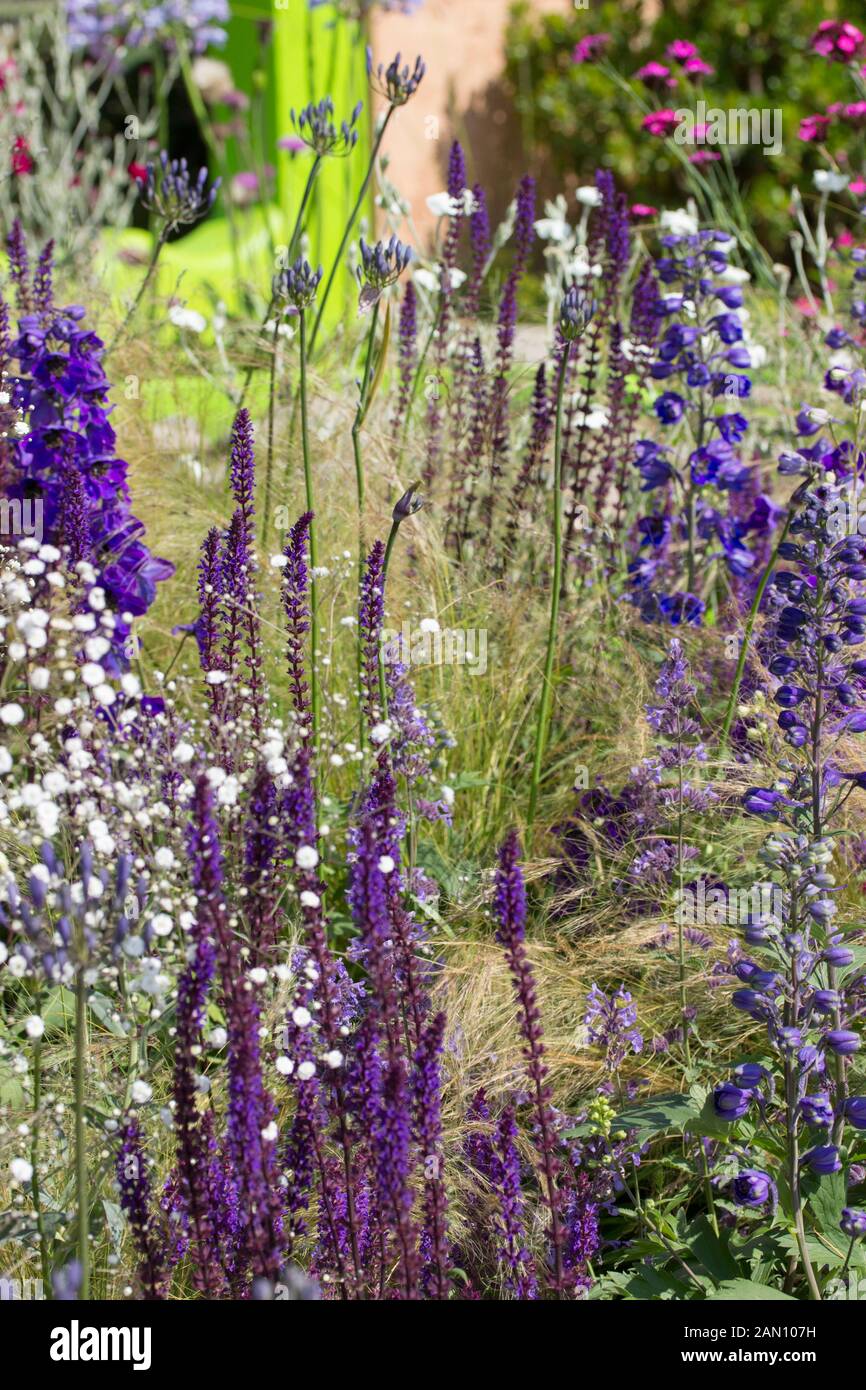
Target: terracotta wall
462	43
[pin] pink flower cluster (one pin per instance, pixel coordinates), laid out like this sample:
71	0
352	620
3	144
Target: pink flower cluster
590	48
839	41
852	113
681	52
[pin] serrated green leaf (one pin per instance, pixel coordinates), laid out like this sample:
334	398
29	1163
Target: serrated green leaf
747	1289
825	1201
659	1115
711	1251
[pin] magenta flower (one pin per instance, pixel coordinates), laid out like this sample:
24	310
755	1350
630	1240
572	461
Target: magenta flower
839	41
662	123
814	127
696	67
652	72
590	48
681	50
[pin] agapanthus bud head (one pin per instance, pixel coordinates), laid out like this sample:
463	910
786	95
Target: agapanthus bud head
411	502
174	196
394	83
575	313
297	285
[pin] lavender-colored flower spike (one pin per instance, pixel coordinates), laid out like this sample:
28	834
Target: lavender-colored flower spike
19	266
524	235
192	1157
242	468
251	1131
72	528
427	1109
408	354
371	613
43	280
517	1261
295	587
135	1201
509	903
210	593
479	238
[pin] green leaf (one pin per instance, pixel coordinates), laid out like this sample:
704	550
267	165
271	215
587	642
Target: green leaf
748	1289
116	1223
659	1115
652	1283
103	1009
711	1251
826	1200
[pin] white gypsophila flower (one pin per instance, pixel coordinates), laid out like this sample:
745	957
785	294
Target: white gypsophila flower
164	857
828	181
11	713
258	975
34	1026
141	1092
285	1066
380	733
21	1170
270	1132
306	1071
386	864
333	1059
183	317
306	857
678	222
309	899
301	1017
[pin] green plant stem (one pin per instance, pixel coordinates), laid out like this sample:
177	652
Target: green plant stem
290	256
272	391
142	289
681	963
541	732
44	1263
314	560
200	111
794	1181
81	1176
360	416
383	687
747	637
338	259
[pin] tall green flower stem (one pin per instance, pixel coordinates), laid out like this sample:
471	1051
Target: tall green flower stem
315	697
747	636
205	126
543	726
161	239
272	392
44	1263
82	1193
365	397
383	686
291	253
353	217
681	943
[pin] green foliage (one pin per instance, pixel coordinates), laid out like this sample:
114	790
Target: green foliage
575	118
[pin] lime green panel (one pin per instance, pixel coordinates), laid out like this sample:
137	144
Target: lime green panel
319	53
